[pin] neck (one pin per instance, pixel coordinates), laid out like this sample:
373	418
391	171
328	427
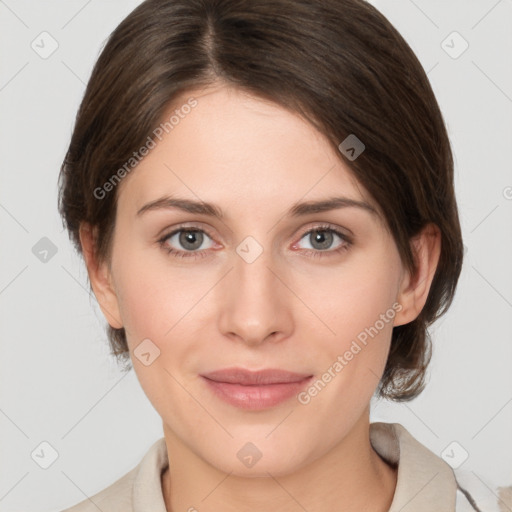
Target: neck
350	477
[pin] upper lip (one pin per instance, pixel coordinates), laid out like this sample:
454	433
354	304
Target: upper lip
260	377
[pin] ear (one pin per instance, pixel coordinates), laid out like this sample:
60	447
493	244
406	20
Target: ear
413	290
100	277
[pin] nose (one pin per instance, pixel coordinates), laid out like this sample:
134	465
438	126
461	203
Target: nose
255	304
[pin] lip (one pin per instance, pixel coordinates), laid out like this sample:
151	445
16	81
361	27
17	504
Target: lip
255	390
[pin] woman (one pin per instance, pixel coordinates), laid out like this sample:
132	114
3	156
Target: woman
263	196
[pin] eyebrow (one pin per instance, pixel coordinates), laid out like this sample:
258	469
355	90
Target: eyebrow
297	210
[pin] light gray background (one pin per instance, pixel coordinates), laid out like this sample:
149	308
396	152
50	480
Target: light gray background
58	384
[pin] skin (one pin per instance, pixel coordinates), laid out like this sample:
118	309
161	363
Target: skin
255	159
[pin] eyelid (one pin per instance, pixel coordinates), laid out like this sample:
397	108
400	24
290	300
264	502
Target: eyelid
183	227
318	226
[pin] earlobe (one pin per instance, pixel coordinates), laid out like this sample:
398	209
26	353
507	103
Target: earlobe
100	277
413	292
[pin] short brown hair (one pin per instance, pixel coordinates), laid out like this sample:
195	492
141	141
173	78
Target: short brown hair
338	63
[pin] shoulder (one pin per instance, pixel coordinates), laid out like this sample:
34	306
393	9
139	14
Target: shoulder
136	491
116	497
477	493
431	480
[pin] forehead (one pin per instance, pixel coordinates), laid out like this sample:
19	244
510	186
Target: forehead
233	148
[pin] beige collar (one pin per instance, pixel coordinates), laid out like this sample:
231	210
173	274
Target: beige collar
425	482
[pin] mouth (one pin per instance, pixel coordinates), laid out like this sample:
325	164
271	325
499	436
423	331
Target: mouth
255	390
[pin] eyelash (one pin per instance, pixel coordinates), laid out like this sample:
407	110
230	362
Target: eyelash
347	242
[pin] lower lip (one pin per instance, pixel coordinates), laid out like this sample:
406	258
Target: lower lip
256	397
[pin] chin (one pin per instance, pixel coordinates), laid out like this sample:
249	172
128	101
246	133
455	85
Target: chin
258	459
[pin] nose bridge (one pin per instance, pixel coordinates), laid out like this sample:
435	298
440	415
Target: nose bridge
254	306
252	270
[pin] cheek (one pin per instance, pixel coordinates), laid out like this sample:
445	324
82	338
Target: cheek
358	305
349	299
155	300
351	361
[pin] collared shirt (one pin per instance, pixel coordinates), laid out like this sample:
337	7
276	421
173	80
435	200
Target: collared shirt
425	482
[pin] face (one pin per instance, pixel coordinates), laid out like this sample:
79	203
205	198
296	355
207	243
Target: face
259	287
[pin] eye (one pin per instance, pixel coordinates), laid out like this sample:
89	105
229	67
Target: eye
321	239
188	240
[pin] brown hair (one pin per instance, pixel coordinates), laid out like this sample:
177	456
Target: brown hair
338	63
